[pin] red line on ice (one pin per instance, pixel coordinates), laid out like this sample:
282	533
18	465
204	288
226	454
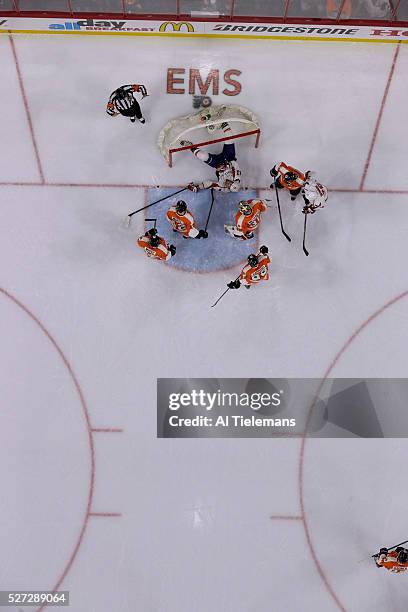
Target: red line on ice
380	114
27	109
137	186
301	484
85	411
383	191
283	517
105	514
106	430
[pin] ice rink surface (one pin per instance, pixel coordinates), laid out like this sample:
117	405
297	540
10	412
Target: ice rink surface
92	501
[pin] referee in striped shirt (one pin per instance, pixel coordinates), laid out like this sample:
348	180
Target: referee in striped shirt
122	102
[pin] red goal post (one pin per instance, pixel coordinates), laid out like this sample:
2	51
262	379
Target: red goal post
241	121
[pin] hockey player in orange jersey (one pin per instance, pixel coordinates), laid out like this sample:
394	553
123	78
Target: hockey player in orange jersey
287	177
395	561
182	221
247	219
155	246
254	272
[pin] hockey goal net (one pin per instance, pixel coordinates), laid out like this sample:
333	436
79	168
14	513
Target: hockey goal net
209	125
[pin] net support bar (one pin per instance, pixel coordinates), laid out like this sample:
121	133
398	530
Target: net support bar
208	142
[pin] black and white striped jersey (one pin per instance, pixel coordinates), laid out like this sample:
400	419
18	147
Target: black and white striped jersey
117	104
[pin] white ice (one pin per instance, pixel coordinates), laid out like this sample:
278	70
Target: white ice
195	532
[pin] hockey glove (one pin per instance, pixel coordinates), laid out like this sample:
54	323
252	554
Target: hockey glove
172	250
264	250
202	234
309	210
234	284
192	187
273	172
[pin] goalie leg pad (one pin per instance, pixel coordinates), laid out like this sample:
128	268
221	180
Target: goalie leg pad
234	232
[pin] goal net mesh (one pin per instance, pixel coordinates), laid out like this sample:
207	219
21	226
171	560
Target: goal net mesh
207	126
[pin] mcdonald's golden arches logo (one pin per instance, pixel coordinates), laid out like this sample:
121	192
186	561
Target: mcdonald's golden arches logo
176	26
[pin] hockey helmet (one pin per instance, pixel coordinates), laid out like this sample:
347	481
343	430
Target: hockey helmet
245	208
403	556
222	165
181	207
310	175
154	240
290	176
205	115
253	260
120	93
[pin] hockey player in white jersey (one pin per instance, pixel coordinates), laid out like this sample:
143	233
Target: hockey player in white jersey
314	194
226	168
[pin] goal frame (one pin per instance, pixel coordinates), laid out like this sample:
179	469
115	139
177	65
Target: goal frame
244	121
215	140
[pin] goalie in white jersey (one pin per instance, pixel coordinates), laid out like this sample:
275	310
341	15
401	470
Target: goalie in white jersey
314	194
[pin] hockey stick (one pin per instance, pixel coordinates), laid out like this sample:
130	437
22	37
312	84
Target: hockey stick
390	548
280	215
211	207
306	252
130	215
222	295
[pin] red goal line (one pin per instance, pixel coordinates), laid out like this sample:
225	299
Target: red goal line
208	142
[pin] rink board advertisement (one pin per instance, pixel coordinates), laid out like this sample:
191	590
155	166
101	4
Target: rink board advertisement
118	26
269	407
